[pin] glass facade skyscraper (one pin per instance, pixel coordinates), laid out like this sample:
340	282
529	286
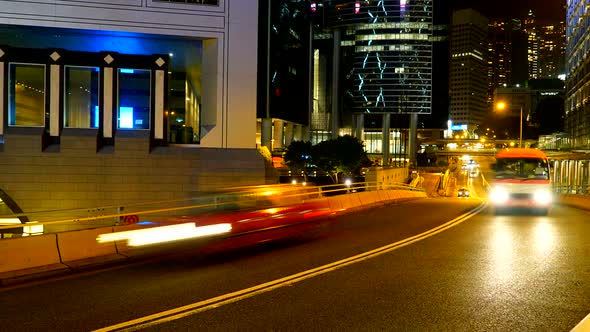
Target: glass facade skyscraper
577	104
387	54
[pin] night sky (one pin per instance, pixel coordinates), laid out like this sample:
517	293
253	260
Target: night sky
543	9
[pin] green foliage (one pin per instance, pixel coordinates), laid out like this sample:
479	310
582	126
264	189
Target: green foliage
343	155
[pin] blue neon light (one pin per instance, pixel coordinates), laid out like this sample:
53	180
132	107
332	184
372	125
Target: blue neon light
95	117
126	71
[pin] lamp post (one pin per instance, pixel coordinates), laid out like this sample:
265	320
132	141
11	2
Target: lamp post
501	106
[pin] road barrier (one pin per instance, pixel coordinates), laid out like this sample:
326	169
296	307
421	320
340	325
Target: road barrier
42	254
80	248
28	256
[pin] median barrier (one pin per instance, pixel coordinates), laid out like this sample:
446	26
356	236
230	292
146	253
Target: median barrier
29	257
352	201
335	203
42	255
393	194
80	248
578	201
383	195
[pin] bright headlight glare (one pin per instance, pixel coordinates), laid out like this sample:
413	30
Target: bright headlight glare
542	197
499	195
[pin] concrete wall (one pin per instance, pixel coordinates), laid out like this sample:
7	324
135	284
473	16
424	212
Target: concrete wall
79	177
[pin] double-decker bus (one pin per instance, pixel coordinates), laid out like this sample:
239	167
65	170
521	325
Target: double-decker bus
521	181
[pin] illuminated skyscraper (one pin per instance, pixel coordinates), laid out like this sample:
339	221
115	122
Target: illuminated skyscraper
390	48
531	29
499	54
381	65
552	50
577	105
468	74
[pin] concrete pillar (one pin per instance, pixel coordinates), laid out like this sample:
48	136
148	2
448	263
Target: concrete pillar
278	134
310	86
385	143
306	133
2	108
556	178
298	133
288	133
266	133
359	126
413	133
335	84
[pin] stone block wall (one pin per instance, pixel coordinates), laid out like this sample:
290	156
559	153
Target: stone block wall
77	176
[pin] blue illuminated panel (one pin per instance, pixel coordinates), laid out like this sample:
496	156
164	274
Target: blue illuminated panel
134	99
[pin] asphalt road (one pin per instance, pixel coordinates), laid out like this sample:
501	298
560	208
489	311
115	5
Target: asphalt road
488	273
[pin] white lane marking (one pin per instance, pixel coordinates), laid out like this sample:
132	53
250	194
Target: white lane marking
201	306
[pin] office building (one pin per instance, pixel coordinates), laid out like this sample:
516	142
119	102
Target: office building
283	73
552	50
381	70
126	101
532	32
468	70
577	104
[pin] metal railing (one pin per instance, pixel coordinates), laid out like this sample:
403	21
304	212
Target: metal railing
234	199
571	176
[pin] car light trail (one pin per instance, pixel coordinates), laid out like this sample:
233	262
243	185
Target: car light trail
154	235
221	300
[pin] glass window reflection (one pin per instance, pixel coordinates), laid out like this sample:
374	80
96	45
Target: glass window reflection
134	99
26	100
81	97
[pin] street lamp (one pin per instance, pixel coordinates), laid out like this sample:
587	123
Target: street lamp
501	106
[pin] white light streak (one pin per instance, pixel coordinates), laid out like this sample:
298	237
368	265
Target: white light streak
154	235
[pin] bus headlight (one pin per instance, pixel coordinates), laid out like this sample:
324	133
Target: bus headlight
499	196
542	197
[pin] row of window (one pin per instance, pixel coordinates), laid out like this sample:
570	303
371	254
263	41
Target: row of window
27	97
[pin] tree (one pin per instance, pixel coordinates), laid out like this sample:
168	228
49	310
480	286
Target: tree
343	155
297	157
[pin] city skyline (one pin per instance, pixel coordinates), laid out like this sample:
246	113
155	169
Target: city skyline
543	9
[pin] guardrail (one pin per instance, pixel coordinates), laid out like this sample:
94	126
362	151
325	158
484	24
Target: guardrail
233	199
71	250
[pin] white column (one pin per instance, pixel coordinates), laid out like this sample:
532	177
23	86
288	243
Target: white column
359	126
54	84
159	106
298	133
107	103
266	133
278	134
385	143
288	133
